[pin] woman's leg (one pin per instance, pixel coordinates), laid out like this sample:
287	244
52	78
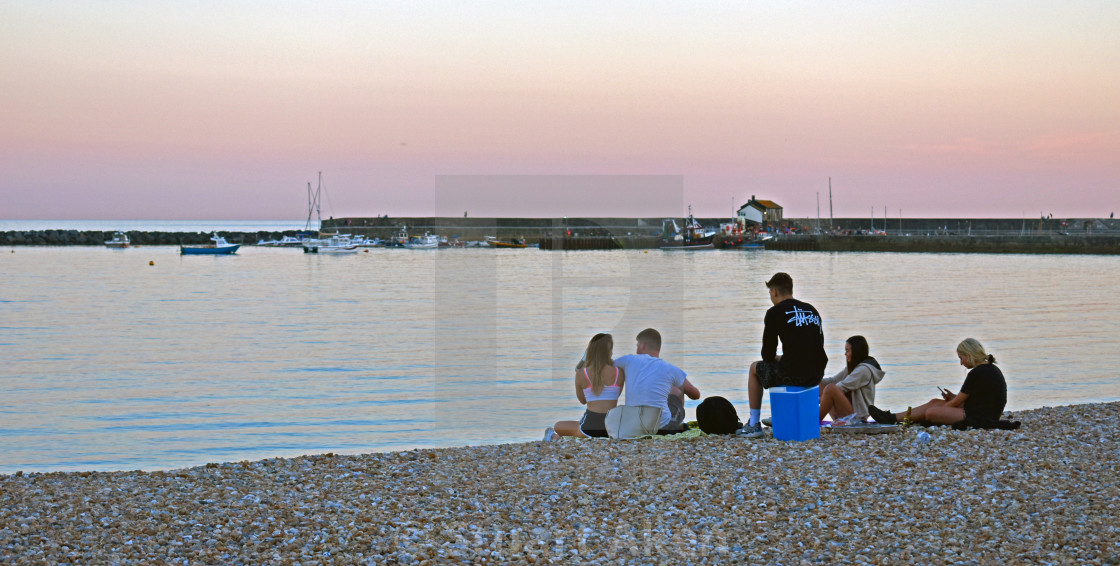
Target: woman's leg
920	413
834	402
944	415
568	428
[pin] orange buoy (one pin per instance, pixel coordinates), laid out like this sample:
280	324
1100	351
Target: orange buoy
151	263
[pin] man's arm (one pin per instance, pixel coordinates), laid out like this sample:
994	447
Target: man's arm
769	340
689	389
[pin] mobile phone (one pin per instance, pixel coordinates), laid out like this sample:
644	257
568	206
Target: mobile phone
943	391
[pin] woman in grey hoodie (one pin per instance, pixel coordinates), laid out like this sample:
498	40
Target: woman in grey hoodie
851	390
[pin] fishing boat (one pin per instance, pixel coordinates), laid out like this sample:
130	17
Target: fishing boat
285	242
692	237
425	242
219	247
339	244
366	242
119	241
510	243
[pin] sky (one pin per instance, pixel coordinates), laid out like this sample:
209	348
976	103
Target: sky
228	109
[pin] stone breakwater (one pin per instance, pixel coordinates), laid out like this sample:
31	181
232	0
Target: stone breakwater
1048	493
1030	244
136	237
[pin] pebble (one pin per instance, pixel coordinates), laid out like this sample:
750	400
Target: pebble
1046	493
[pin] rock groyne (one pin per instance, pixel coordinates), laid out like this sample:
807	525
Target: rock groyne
136	237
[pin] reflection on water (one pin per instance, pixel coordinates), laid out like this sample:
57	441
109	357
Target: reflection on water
111	363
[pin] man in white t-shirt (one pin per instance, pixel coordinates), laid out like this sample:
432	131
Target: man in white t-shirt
655	382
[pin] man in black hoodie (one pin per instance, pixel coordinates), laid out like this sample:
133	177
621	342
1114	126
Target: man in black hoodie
798	326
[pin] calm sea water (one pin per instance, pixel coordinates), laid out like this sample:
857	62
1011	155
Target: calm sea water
110	363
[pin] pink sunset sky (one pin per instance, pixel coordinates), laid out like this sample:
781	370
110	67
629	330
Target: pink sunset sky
225	110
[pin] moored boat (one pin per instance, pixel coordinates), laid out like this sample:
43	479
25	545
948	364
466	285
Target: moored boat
745	241
119	241
284	242
692	237
510	243
219	247
426	242
337	244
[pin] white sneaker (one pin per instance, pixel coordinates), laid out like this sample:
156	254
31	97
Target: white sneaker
550	435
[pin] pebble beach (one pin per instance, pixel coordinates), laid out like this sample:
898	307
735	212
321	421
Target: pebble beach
1048	493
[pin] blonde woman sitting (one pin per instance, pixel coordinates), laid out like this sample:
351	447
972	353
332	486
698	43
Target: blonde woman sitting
598	385
979	403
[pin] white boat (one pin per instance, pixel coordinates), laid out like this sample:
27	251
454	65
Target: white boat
365	242
285	242
425	242
119	241
339	244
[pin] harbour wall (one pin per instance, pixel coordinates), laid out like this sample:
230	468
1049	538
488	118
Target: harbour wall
1028	244
536	228
1092	236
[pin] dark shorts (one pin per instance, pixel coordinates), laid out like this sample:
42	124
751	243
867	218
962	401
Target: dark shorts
676	416
770	375
594	424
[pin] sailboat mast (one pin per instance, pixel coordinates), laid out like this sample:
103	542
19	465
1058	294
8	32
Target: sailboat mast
831	223
310	207
818	212
313	201
319	200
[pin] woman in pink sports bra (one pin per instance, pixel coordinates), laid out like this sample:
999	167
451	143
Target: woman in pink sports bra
598	385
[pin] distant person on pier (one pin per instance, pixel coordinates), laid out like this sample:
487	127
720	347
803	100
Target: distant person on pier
851	391
797	325
598	385
979	404
654	382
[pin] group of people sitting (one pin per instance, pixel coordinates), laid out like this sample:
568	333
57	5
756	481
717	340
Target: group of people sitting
848	396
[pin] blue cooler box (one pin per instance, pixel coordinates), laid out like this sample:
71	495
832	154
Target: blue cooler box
795	412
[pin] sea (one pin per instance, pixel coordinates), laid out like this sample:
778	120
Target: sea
142	359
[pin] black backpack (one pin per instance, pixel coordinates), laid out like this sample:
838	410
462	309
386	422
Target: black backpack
716	415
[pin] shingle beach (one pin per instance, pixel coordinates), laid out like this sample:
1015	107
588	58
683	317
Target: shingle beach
1048	493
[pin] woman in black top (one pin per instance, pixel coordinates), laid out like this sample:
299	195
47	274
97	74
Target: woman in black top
979	403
